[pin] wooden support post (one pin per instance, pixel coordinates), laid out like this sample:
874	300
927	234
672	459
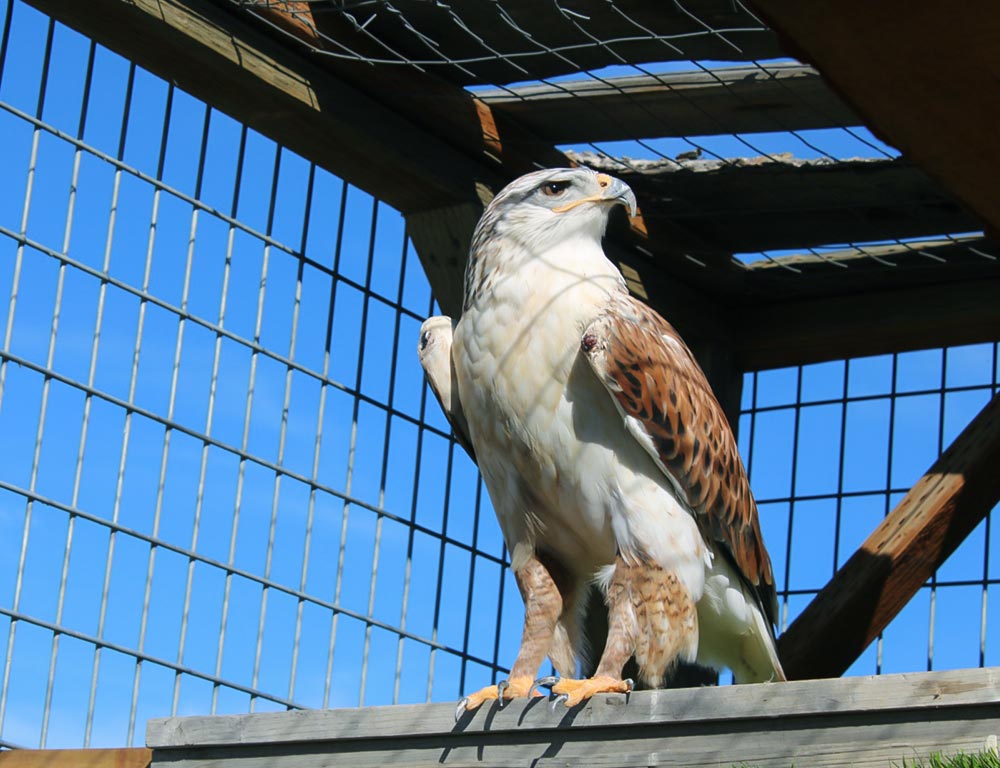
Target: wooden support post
935	517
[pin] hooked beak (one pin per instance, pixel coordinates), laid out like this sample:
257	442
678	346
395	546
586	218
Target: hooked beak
617	191
614	191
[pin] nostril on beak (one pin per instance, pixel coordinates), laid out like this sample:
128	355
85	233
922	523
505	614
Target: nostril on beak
603	180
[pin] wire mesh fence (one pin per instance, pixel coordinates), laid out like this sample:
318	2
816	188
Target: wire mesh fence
600	67
223	487
832	448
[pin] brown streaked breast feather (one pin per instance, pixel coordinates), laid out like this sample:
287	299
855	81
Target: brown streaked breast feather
653	377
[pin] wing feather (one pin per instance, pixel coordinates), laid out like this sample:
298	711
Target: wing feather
670	409
434	351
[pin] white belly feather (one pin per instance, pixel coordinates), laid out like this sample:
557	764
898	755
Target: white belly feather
559	464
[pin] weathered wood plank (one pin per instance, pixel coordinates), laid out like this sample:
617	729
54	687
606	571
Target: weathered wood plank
697	103
133	757
256	79
882	746
853	721
940	110
900	555
689	706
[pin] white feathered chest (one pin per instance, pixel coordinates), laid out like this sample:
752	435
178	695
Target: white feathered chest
552	447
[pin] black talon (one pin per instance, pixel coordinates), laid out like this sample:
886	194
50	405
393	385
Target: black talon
562	698
630	683
460	709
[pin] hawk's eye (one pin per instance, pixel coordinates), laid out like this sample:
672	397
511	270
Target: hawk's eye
554	188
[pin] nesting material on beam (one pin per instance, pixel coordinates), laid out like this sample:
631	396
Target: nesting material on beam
740	205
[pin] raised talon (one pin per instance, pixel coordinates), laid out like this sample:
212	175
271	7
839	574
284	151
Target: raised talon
542	681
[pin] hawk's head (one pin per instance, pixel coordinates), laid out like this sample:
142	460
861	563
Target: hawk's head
553	204
557	210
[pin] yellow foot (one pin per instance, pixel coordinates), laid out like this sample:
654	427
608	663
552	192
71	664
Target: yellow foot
503	691
571	692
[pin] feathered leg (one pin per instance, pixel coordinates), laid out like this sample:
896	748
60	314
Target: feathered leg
650	614
543	607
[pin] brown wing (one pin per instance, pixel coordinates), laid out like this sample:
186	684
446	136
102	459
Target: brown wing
655	379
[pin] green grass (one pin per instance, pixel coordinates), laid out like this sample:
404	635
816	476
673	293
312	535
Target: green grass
961	760
937	760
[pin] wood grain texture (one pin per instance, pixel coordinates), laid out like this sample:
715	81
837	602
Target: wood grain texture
853	721
932	691
900	555
137	757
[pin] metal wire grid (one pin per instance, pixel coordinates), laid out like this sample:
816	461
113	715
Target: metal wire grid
832	448
841	141
190	484
456	615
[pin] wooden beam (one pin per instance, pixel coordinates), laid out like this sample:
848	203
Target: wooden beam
929	523
776	334
134	757
923	77
860	721
777	97
217	57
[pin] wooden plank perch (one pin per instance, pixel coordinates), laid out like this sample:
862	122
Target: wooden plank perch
929	523
859	721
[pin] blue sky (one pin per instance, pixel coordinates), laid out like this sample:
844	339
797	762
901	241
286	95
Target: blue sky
192	463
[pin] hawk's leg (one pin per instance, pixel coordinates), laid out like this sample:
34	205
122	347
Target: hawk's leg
543	606
650	614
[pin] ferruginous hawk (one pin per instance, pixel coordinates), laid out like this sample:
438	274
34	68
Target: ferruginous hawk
605	453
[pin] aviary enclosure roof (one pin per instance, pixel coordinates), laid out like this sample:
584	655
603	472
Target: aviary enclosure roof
432	106
493	89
